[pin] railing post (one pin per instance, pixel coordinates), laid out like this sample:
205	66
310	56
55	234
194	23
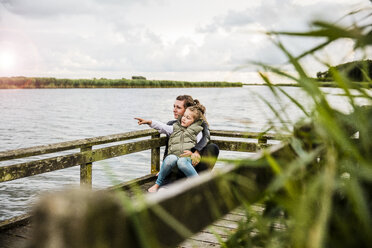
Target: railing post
261	142
155	156
86	170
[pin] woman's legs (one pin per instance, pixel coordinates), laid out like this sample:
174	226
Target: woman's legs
184	164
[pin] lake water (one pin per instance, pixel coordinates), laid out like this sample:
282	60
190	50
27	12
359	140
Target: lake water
43	116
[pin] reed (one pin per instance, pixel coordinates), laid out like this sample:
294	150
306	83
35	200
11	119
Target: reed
326	202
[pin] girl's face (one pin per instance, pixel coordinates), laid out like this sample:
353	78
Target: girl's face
187	118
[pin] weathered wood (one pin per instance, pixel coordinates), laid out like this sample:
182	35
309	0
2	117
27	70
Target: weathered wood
86	171
63	146
16	171
131	221
262	140
15	221
248	135
11	241
84	158
238	146
155	156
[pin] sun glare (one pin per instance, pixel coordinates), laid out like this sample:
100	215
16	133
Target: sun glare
7	60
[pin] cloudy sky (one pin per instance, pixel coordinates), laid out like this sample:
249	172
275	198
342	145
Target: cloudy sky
159	39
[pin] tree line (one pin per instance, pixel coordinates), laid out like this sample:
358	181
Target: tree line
41	82
356	71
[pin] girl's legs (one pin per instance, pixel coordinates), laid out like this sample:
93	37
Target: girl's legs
166	167
185	165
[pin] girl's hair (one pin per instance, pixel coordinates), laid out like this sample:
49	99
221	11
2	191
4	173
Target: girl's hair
198	111
195	107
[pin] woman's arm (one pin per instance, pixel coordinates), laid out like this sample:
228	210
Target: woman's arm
204	140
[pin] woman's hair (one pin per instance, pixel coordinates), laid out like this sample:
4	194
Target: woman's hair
198	111
187	100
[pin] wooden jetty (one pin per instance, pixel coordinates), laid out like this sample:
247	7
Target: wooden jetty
193	206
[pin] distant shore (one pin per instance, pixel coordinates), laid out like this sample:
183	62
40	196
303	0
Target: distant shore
320	83
51	83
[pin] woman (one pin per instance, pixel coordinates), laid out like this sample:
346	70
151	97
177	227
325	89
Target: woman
183	135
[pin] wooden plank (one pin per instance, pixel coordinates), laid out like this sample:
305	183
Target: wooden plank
223	228
248	135
197	244
233	217
15	221
12	172
207	237
63	146
226	223
11	241
237	146
21	232
220	230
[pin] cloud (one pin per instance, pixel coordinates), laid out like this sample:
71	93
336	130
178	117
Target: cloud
272	15
92	37
50	8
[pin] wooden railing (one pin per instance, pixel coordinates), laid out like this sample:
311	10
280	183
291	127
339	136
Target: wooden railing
87	155
84	158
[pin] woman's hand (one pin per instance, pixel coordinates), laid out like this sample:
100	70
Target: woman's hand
143	121
195	157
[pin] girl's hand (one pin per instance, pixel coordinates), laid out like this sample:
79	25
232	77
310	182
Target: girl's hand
143	121
186	153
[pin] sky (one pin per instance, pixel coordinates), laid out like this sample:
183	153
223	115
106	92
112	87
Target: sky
195	40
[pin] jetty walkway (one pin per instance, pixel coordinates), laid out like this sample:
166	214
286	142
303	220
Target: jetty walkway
188	214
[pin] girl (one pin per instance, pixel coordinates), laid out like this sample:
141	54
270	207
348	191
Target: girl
183	135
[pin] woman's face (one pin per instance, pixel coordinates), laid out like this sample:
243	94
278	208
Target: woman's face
178	109
187	118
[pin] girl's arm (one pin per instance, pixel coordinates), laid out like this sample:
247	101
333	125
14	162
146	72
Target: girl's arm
162	127
143	121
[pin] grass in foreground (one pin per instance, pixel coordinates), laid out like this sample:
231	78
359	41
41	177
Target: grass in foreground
326	202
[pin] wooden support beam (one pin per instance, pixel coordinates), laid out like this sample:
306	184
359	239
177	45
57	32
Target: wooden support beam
155	156
86	171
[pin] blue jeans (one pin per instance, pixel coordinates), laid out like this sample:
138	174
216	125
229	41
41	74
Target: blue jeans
184	164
